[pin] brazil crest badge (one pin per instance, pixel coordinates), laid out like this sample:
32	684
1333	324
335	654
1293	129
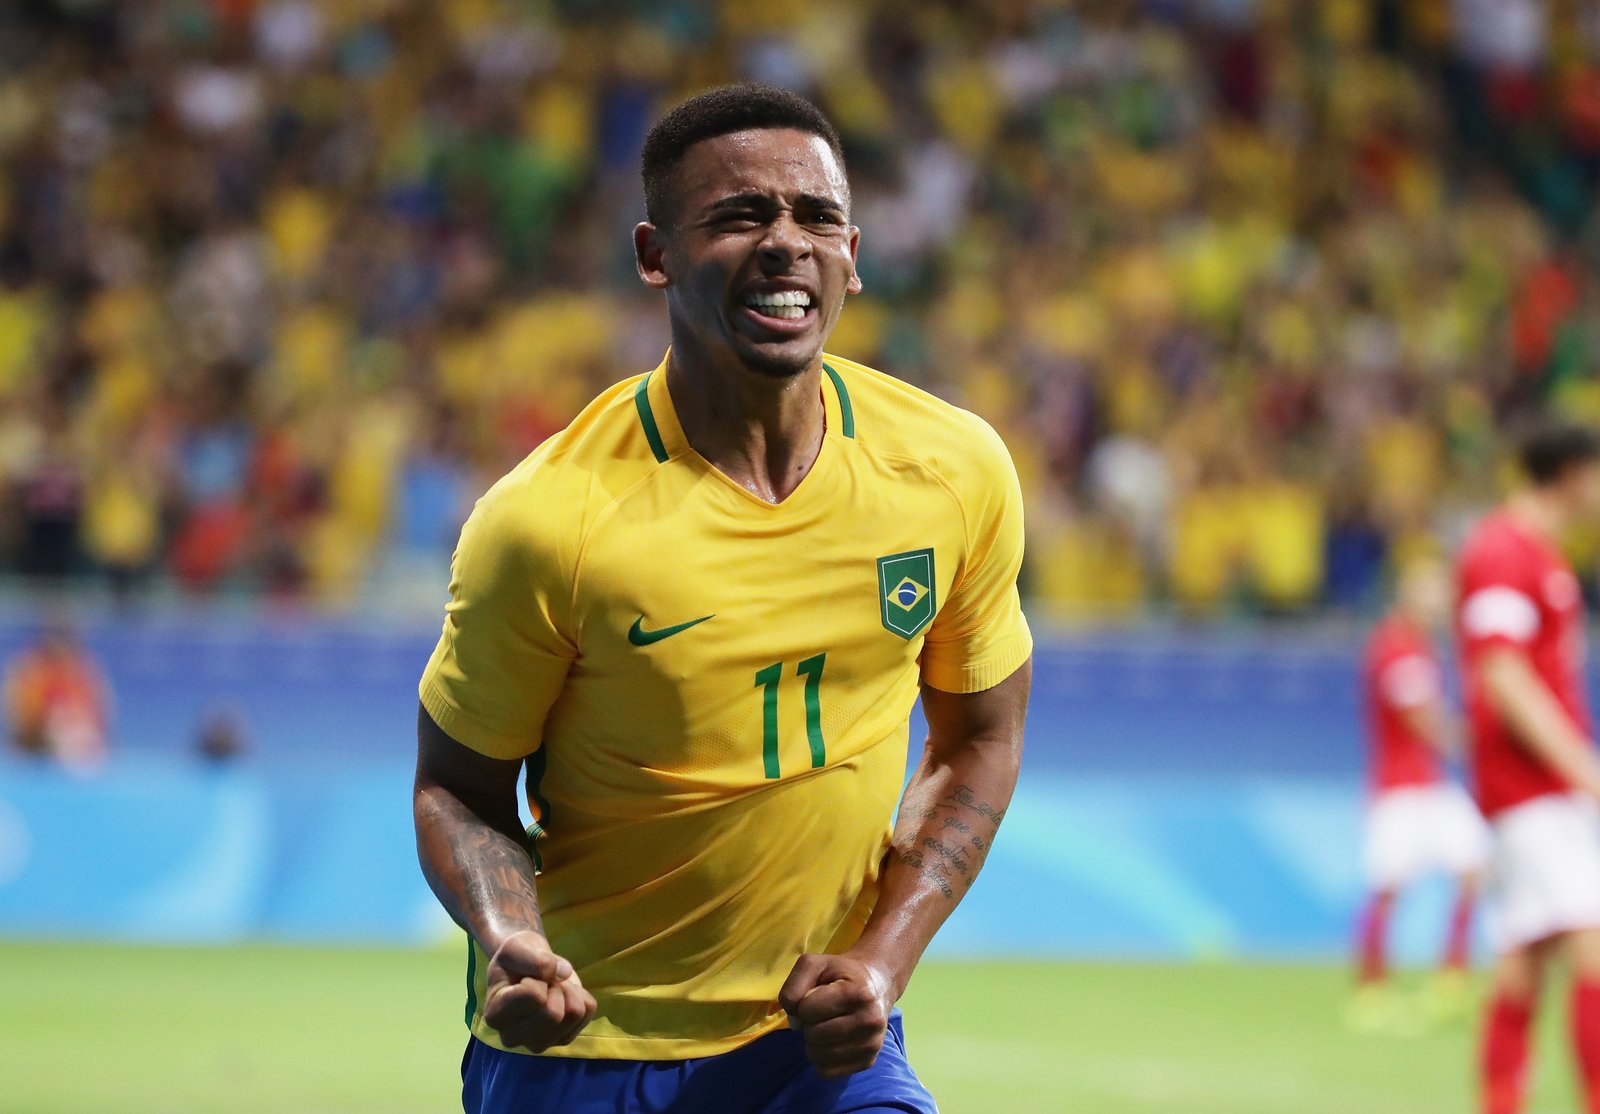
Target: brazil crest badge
906	591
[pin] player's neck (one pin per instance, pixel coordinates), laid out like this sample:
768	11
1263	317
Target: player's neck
761	431
1542	512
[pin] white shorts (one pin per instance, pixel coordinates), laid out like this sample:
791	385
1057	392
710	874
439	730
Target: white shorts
1545	875
1419	829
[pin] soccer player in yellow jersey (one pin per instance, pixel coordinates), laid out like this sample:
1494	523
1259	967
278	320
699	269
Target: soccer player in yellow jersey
699	617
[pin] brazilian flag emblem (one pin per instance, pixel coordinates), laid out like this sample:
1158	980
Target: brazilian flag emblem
906	591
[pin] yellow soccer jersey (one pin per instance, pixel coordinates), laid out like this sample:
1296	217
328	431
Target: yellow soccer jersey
712	691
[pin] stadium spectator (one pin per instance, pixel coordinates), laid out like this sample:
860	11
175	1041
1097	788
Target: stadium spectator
57	704
223	737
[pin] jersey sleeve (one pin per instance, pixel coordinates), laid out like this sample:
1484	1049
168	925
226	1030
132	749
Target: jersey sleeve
1409	682
503	656
1498	599
980	636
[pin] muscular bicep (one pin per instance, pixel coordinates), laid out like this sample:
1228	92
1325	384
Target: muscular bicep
992	717
486	786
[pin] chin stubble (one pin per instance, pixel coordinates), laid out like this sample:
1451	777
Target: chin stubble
773	367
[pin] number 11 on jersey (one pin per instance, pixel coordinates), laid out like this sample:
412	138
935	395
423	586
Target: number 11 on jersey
767	681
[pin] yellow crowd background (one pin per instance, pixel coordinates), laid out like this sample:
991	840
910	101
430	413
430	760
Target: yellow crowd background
1255	290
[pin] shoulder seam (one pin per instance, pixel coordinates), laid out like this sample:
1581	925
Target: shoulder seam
943	481
566	452
588	536
962	415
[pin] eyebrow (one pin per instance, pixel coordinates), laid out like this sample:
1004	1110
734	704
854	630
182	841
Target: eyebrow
814	201
753	200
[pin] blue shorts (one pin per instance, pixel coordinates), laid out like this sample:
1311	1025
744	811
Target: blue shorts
770	1075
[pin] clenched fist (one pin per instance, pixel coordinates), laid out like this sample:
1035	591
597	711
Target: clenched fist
841	1006
534	999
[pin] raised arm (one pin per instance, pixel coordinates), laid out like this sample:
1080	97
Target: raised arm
472	850
1537	719
948	819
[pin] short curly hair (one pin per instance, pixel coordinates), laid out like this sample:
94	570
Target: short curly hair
722	111
1550	448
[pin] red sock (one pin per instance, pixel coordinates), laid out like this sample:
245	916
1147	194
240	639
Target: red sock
1505	1054
1586	1039
1373	965
1458	947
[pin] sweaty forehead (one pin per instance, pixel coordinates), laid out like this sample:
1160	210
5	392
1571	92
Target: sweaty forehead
780	162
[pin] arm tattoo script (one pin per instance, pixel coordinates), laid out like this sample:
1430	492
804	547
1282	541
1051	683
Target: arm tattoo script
947	841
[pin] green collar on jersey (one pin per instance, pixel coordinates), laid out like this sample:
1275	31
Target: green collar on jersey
658	448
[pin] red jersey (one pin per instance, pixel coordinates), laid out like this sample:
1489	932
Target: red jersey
1514	589
1401	672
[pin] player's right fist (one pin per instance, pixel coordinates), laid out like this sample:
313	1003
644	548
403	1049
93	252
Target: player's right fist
534	999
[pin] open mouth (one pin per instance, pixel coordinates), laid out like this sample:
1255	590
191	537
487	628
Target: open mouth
779	305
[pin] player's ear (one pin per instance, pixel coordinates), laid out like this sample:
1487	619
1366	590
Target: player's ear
649	256
854	285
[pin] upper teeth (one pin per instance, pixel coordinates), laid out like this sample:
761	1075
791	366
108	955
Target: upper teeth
782	298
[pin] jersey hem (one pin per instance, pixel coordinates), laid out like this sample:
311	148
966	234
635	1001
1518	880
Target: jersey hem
985	672
1500	808
1378	790
467	731
635	1048
1477	644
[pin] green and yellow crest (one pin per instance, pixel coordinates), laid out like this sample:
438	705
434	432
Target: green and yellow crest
906	594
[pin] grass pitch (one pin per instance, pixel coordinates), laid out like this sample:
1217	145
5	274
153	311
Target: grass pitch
268	1030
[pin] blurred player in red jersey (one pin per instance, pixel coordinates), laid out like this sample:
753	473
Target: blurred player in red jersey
56	701
1520	625
1418	820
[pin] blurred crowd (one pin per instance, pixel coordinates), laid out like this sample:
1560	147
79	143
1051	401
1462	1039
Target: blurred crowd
1251	287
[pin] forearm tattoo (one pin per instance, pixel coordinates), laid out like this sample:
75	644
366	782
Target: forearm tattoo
946	842
483	876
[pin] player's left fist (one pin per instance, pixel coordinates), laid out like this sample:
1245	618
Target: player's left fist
840	1005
